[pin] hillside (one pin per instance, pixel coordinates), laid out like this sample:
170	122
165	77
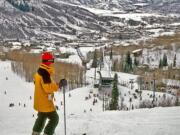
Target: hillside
163	6
18	119
127	51
84	20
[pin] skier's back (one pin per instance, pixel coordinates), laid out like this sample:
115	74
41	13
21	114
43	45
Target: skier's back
45	86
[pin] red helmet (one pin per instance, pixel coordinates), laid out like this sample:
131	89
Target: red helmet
47	58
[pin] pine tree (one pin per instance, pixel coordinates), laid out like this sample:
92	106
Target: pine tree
101	61
114	67
128	58
111	54
165	60
126	68
174	62
135	62
122	65
128	63
102	57
115	94
94	63
177	101
160	63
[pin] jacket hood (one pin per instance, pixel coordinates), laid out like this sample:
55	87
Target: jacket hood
49	69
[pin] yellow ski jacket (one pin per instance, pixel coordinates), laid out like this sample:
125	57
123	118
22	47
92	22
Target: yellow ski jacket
45	87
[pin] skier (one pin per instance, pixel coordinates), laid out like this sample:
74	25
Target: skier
45	87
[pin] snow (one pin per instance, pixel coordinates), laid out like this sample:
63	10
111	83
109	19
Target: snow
137	50
127	16
72	59
141	4
36	51
155	31
175	24
121	14
19	120
85	50
67	50
16	43
152	56
167	33
63	35
134	16
98	11
172	82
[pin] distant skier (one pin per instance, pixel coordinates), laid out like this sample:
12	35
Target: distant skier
45	87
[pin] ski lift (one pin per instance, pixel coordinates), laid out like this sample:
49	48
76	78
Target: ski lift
105	82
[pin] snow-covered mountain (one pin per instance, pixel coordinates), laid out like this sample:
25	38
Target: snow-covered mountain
46	17
85	19
163	6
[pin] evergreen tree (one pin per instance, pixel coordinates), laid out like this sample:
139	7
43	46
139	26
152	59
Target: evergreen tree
126	68
94	63
136	62
122	65
114	67
102	57
111	54
101	60
128	59
165	60
160	63
177	101
115	94
174	62
128	63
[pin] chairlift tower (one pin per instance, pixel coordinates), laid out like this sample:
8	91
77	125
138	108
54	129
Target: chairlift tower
130	95
83	59
154	89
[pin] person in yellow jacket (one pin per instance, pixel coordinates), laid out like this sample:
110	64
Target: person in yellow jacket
45	87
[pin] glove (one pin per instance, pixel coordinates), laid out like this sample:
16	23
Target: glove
62	83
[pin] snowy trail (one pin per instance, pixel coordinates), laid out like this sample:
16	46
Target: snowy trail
19	120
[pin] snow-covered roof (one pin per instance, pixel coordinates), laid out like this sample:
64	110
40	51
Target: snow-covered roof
138	50
121	76
16	43
141	4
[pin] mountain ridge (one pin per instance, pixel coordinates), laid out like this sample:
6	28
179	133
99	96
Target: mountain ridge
51	19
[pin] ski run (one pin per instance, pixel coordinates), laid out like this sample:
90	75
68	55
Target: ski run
82	116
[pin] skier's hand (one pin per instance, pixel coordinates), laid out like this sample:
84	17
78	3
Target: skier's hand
62	83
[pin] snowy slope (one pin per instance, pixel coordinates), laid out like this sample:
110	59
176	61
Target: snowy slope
19	120
17	91
164	6
49	19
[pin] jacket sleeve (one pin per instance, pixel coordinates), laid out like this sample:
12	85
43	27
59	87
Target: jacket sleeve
49	87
